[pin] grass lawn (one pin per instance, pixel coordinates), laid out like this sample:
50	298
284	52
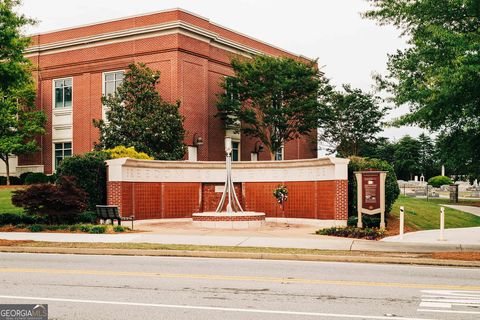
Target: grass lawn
6	205
423	215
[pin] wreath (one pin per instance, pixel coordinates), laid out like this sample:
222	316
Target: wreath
281	194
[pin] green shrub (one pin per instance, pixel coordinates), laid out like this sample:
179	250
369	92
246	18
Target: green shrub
36	177
53	178
439	181
119	229
98	229
23	176
392	191
87	217
85	228
58	227
351	232
74	227
36	228
20	218
21	226
89	169
14	181
369	221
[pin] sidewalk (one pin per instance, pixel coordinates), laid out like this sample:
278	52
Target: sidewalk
469	209
459	236
316	242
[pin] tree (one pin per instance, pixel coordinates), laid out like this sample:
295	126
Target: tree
90	173
273	99
19	122
60	201
351	119
407	155
380	148
427	156
438	74
459	151
138	117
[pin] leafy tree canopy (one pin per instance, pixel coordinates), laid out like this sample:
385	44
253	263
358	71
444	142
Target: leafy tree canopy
407	155
138	117
351	118
438	75
19	121
273	99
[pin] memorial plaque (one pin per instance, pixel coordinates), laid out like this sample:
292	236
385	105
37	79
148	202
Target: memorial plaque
371	191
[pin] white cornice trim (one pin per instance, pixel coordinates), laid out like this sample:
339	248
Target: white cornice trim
143	32
170	10
134	170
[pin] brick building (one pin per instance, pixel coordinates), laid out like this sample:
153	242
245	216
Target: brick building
76	66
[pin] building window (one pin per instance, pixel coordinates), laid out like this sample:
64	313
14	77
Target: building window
63	93
279	154
111	82
235	150
62	150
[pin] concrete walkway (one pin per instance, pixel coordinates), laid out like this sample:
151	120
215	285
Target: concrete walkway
272	234
318	242
460	236
469	209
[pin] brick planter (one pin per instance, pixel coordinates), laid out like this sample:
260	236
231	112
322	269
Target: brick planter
223	220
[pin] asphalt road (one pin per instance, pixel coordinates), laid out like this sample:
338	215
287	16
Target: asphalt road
115	287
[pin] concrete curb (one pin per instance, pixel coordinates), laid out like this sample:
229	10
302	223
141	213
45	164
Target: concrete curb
244	255
410	247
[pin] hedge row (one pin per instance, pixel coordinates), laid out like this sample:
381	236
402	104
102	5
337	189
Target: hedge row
26	219
28	178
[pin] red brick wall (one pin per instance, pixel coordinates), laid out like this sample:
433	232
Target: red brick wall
211	199
327	200
190	72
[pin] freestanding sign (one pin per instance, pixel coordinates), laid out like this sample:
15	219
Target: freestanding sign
371	194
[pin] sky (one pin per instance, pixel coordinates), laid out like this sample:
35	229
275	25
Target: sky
349	48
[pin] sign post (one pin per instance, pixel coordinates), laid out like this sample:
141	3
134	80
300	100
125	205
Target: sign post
371	194
402	219
442	224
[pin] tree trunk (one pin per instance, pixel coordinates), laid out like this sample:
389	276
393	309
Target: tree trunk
272	155
7	169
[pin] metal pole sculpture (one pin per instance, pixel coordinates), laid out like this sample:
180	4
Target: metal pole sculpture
233	205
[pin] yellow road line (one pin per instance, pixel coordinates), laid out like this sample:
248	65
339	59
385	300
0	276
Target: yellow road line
238	278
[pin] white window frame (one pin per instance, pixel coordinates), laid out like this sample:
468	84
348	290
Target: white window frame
104	108
54	164
239	150
104	74
282	153
54	96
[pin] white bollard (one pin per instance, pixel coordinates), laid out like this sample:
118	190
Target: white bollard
442	224
402	219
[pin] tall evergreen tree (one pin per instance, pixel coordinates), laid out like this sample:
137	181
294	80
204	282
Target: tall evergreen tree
428	163
407	155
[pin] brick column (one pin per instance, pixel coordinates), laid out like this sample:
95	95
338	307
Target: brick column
341	200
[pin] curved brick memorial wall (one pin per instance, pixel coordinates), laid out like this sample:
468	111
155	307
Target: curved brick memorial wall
176	189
